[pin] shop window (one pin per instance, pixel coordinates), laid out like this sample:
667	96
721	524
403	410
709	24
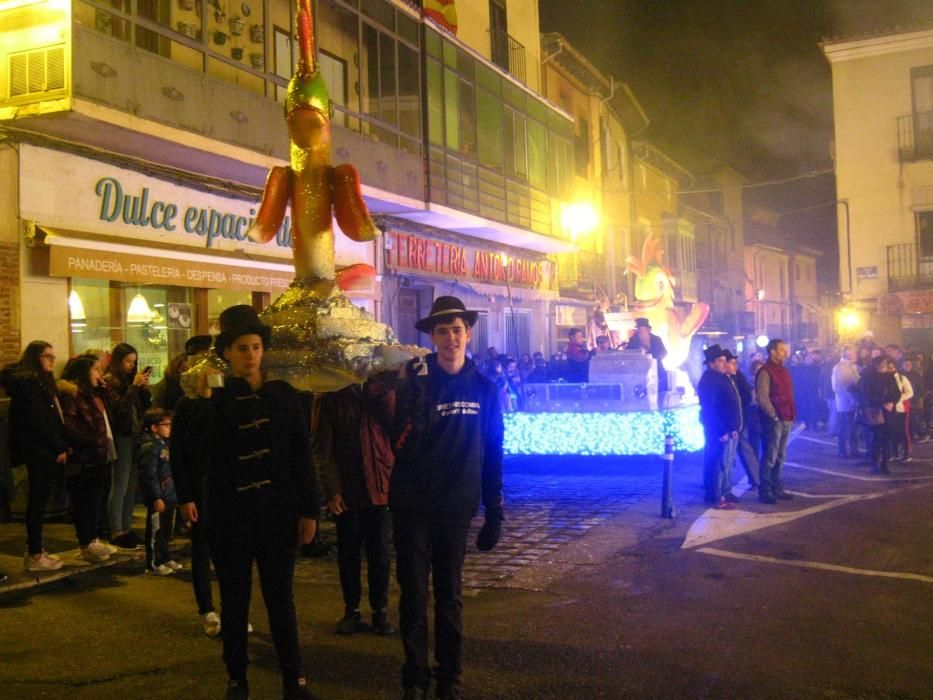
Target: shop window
155	320
220	299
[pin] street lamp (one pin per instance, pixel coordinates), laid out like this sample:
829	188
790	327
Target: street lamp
504	259
579	218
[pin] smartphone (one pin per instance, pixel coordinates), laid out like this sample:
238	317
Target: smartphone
148	369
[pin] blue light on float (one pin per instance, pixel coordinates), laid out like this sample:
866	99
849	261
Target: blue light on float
623	433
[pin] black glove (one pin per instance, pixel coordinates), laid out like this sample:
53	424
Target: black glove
489	534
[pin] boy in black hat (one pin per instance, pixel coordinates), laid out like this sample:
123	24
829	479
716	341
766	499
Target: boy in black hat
721	415
448	456
260	493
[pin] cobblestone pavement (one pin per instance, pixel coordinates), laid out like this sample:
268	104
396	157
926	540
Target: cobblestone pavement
549	502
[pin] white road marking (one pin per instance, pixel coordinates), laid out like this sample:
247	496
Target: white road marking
860	477
813	439
816	565
719	524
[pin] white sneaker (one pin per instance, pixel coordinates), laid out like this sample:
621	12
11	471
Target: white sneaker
211	624
109	548
43	563
174	564
100	550
161	570
91	555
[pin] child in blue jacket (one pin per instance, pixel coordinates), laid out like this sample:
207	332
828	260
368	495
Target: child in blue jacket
158	487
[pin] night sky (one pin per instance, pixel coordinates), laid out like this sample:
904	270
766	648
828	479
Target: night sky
736	82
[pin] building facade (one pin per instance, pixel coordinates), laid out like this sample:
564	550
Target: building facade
601	216
781	288
883	108
137	137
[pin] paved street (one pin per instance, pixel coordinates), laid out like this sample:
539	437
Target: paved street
590	595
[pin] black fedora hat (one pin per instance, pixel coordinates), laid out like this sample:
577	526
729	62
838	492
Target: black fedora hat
443	310
712	352
240	320
642	322
729	355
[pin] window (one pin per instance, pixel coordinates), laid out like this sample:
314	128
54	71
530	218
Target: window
334	72
925	233
582	147
499	33
922	88
518	333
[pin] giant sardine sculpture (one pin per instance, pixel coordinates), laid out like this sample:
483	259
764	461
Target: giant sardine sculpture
321	341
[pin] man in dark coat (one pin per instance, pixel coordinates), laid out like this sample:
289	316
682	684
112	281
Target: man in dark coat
721	415
352	448
260	494
448	456
644	339
750	434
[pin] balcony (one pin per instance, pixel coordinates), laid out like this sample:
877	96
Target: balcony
113	73
915	136
582	274
908	268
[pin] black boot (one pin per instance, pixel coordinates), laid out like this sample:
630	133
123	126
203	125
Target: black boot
351	622
381	624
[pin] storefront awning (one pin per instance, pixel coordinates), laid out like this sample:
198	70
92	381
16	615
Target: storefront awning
75	256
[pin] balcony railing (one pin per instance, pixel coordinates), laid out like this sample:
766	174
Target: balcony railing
517	59
915	136
909	268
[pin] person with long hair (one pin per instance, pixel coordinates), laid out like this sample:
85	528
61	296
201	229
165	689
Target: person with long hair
167	391
36	439
129	399
90	440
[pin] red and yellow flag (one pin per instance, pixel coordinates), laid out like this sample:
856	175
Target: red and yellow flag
444	12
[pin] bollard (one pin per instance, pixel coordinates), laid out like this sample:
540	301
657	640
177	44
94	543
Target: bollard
667	505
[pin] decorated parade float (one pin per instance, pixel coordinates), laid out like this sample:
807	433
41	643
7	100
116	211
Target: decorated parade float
620	411
322	342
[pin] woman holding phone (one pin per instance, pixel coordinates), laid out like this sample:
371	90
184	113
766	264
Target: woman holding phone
129	399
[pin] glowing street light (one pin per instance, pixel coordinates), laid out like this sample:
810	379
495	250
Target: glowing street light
579	218
849	320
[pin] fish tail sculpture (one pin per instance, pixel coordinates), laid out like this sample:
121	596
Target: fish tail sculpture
315	190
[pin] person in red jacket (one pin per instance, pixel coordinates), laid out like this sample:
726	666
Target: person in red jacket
775	392
353	453
578	357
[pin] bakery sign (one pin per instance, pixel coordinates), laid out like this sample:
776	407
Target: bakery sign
410	252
